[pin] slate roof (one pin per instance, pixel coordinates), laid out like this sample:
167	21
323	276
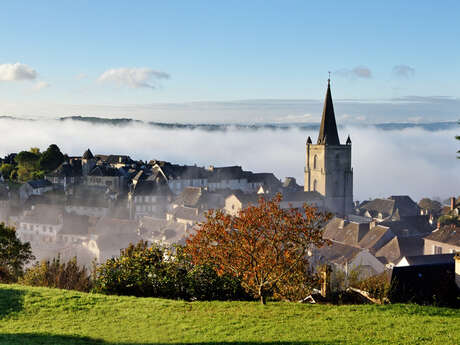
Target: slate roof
434	259
149	187
247	198
399	247
199	198
301	195
66	170
410	226
328	129
104	170
227	173
376	238
116	159
345	232
337	253
87	154
395	206
446	234
39	183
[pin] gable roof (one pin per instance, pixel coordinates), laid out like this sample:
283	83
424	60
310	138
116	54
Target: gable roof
337	253
446	234
345	232
150	187
376	238
399	247
434	259
87	154
104	170
410	226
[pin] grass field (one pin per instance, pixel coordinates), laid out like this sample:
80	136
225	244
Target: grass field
49	316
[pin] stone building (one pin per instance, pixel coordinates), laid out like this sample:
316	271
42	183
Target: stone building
328	168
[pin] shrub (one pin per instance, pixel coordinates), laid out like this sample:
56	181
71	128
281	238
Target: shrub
155	271
377	286
57	274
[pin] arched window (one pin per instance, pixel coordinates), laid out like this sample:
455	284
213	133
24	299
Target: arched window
315	186
315	162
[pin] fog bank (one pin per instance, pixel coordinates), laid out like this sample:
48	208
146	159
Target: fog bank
410	161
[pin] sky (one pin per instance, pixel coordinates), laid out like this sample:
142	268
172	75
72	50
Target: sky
231	61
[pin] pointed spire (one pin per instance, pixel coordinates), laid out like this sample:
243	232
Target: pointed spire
328	130
348	140
88	154
309	140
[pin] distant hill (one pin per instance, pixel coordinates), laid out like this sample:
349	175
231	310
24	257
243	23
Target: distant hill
392	126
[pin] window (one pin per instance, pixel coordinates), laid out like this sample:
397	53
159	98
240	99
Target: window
315	162
437	250
315	186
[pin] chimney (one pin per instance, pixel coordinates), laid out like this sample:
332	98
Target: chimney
452	203
457	269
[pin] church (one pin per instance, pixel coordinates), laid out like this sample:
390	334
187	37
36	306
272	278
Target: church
328	168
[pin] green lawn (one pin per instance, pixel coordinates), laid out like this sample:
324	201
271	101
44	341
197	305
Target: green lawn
50	316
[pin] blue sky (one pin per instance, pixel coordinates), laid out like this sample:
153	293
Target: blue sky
114	58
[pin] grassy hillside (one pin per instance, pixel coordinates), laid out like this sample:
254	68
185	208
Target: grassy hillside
49	316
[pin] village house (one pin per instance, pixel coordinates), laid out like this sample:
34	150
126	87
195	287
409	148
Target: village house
444	240
347	259
391	209
34	187
148	197
42	222
238	200
109	235
68	173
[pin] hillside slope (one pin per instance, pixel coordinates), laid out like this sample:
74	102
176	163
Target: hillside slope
49	316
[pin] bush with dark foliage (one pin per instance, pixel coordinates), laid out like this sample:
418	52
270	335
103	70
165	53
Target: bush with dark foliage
154	271
57	274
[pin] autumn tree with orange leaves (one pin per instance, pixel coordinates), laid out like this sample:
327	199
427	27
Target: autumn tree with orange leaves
264	245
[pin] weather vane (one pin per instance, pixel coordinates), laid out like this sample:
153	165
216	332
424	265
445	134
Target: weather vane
329	74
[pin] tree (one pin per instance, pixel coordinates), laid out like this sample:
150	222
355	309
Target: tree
28	159
13	254
6	170
431	205
264	245
51	158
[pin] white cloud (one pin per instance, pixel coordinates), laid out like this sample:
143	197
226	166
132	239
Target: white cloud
16	71
133	77
357	72
81	76
403	71
299	118
41	85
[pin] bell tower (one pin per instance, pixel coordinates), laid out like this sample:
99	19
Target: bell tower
328	168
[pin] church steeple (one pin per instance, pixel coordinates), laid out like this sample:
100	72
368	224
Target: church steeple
328	130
